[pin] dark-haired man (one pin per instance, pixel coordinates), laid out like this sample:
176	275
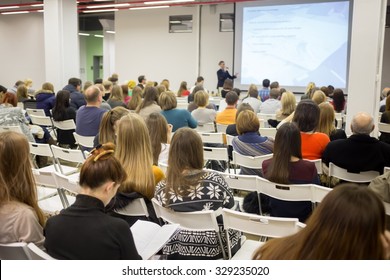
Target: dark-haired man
141	81
76	97
223	74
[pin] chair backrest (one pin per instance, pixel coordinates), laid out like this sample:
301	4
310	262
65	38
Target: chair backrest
384	127
14	128
221	128
40	149
84	141
263	118
339	117
137	207
40	120
318	163
248	161
65	125
183	99
290	192
215	138
63	182
240	182
20	105
163	167
260	225
37	254
386	169
343	174
35	112
182	105
205	127
319	192
268	131
14	251
75	156
229	139
387	208
211	153
44	178
199	220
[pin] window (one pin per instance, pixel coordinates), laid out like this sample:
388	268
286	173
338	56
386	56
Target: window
226	22
180	24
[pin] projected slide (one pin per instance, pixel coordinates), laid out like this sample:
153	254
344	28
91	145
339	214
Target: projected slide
296	44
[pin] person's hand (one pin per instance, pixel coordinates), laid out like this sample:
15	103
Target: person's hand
385	238
236	74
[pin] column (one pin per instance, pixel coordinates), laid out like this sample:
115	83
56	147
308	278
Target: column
62	51
109	49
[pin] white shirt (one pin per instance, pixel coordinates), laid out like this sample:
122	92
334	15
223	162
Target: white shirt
254	102
270	106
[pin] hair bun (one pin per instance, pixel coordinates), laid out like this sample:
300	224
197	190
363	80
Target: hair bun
103	149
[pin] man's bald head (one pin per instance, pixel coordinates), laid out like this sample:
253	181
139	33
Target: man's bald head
92	94
362	123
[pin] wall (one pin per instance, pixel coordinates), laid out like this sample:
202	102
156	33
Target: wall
144	46
215	45
386	61
22	52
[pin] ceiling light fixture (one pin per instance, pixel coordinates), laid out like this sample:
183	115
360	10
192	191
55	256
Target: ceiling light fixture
151	7
167	2
100	11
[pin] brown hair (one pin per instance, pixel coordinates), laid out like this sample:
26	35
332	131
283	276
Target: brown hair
136	98
48	86
288	103
158	132
231	98
101	167
338	100
184	141
183	87
150	96
327	117
228	84
318	97
17	182
247	121
341	228
243	107
21	92
253	91
307	115
107	85
388	103
10	98
167	100
287	144
201	98
116	93
165	83
107	125
134	152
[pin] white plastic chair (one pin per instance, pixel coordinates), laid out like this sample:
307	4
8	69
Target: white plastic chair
65	125
69	155
229	139
214	138
339	117
212	153
263	118
249	161
35	112
291	192
386	169
37	254
163	167
318	163
221	128
181	105
262	226
384	127
205	127
197	221
319	192
268	131
137	207
387	208
69	183
343	174
41	120
14	128
84	141
14	251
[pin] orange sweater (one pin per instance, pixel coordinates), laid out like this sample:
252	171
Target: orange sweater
227	116
313	144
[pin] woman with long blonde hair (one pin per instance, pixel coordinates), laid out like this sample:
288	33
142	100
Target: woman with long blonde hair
326	123
21	219
349	224
289	103
136	98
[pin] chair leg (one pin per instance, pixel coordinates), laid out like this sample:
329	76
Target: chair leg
221	244
258	198
229	249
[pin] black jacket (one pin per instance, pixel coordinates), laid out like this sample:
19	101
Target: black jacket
84	231
358	153
76	98
222	76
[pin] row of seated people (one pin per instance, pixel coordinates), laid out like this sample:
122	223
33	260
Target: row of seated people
85	231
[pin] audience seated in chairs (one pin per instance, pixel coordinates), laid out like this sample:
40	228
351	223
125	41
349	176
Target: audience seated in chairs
349	224
98	236
142	176
189	188
21	218
360	152
203	114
